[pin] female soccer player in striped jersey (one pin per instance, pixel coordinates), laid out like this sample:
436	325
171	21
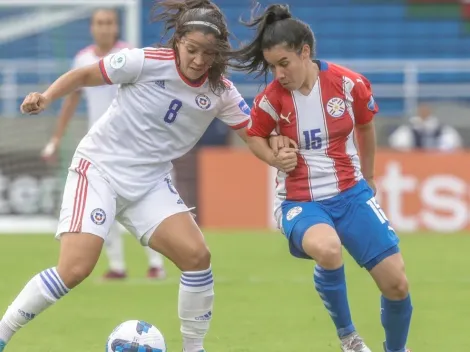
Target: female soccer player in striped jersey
328	200
121	169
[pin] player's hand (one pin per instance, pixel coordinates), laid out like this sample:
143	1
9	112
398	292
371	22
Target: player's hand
371	182
286	159
278	142
34	103
50	150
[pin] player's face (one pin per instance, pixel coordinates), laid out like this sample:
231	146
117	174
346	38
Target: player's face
288	66
196	52
105	28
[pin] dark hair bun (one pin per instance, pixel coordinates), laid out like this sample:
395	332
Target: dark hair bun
276	13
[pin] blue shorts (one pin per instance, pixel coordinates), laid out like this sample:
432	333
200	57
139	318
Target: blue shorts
361	224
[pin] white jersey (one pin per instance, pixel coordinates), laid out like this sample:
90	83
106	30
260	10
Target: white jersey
157	116
98	98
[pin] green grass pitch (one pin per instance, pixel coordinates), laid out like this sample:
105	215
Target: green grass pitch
265	299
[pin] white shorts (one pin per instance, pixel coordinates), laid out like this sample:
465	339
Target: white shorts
90	204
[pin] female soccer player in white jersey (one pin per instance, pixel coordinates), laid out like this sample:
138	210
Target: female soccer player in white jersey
328	200
166	99
104	28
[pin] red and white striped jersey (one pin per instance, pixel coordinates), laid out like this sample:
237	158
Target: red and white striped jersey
322	123
98	99
157	116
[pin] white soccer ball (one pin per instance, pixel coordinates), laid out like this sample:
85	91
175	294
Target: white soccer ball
136	336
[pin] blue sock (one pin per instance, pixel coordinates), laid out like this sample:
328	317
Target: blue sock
331	286
396	318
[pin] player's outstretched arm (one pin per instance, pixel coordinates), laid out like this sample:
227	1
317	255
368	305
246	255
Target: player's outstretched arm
69	82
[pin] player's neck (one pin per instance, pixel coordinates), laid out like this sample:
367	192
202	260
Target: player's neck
312	75
103	50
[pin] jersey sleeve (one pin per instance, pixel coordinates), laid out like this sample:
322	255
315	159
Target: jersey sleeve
264	116
123	67
364	105
235	111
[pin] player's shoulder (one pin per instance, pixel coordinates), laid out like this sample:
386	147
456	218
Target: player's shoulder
341	72
158	54
273	92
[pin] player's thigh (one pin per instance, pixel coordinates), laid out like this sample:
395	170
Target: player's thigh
310	232
364	228
162	221
87	212
390	277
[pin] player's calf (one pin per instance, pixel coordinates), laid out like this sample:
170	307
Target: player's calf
179	239
396	307
321	242
79	254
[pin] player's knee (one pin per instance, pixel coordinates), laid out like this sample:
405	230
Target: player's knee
195	259
396	288
326	250
73	274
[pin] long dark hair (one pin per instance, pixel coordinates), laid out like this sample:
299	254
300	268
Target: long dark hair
275	26
175	13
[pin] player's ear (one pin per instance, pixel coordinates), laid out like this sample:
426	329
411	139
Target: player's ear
305	52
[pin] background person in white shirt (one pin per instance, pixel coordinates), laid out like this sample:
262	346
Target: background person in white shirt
425	132
104	28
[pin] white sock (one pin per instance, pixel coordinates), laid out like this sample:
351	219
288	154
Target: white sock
155	258
114	247
40	292
196	299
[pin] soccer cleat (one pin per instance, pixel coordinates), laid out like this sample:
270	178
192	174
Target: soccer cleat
2	345
156	273
353	343
385	348
114	275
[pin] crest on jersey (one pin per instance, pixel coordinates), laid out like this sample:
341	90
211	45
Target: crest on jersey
203	101
98	216
336	107
244	107
292	213
118	61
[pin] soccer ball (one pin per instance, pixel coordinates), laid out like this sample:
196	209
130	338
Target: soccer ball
136	336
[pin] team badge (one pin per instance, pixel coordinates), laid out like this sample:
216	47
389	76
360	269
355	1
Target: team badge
203	101
336	107
292	213
98	216
118	61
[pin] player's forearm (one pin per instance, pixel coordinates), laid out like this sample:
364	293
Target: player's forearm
366	141
260	148
69	82
68	109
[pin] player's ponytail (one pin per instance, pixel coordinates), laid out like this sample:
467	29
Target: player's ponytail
274	26
185	16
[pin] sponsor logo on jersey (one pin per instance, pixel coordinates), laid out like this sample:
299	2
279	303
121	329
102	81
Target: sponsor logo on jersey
244	107
118	61
336	107
203	101
292	213
170	185
371	104
285	117
98	216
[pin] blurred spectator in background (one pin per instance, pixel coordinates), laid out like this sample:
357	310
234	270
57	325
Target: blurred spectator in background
425	132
